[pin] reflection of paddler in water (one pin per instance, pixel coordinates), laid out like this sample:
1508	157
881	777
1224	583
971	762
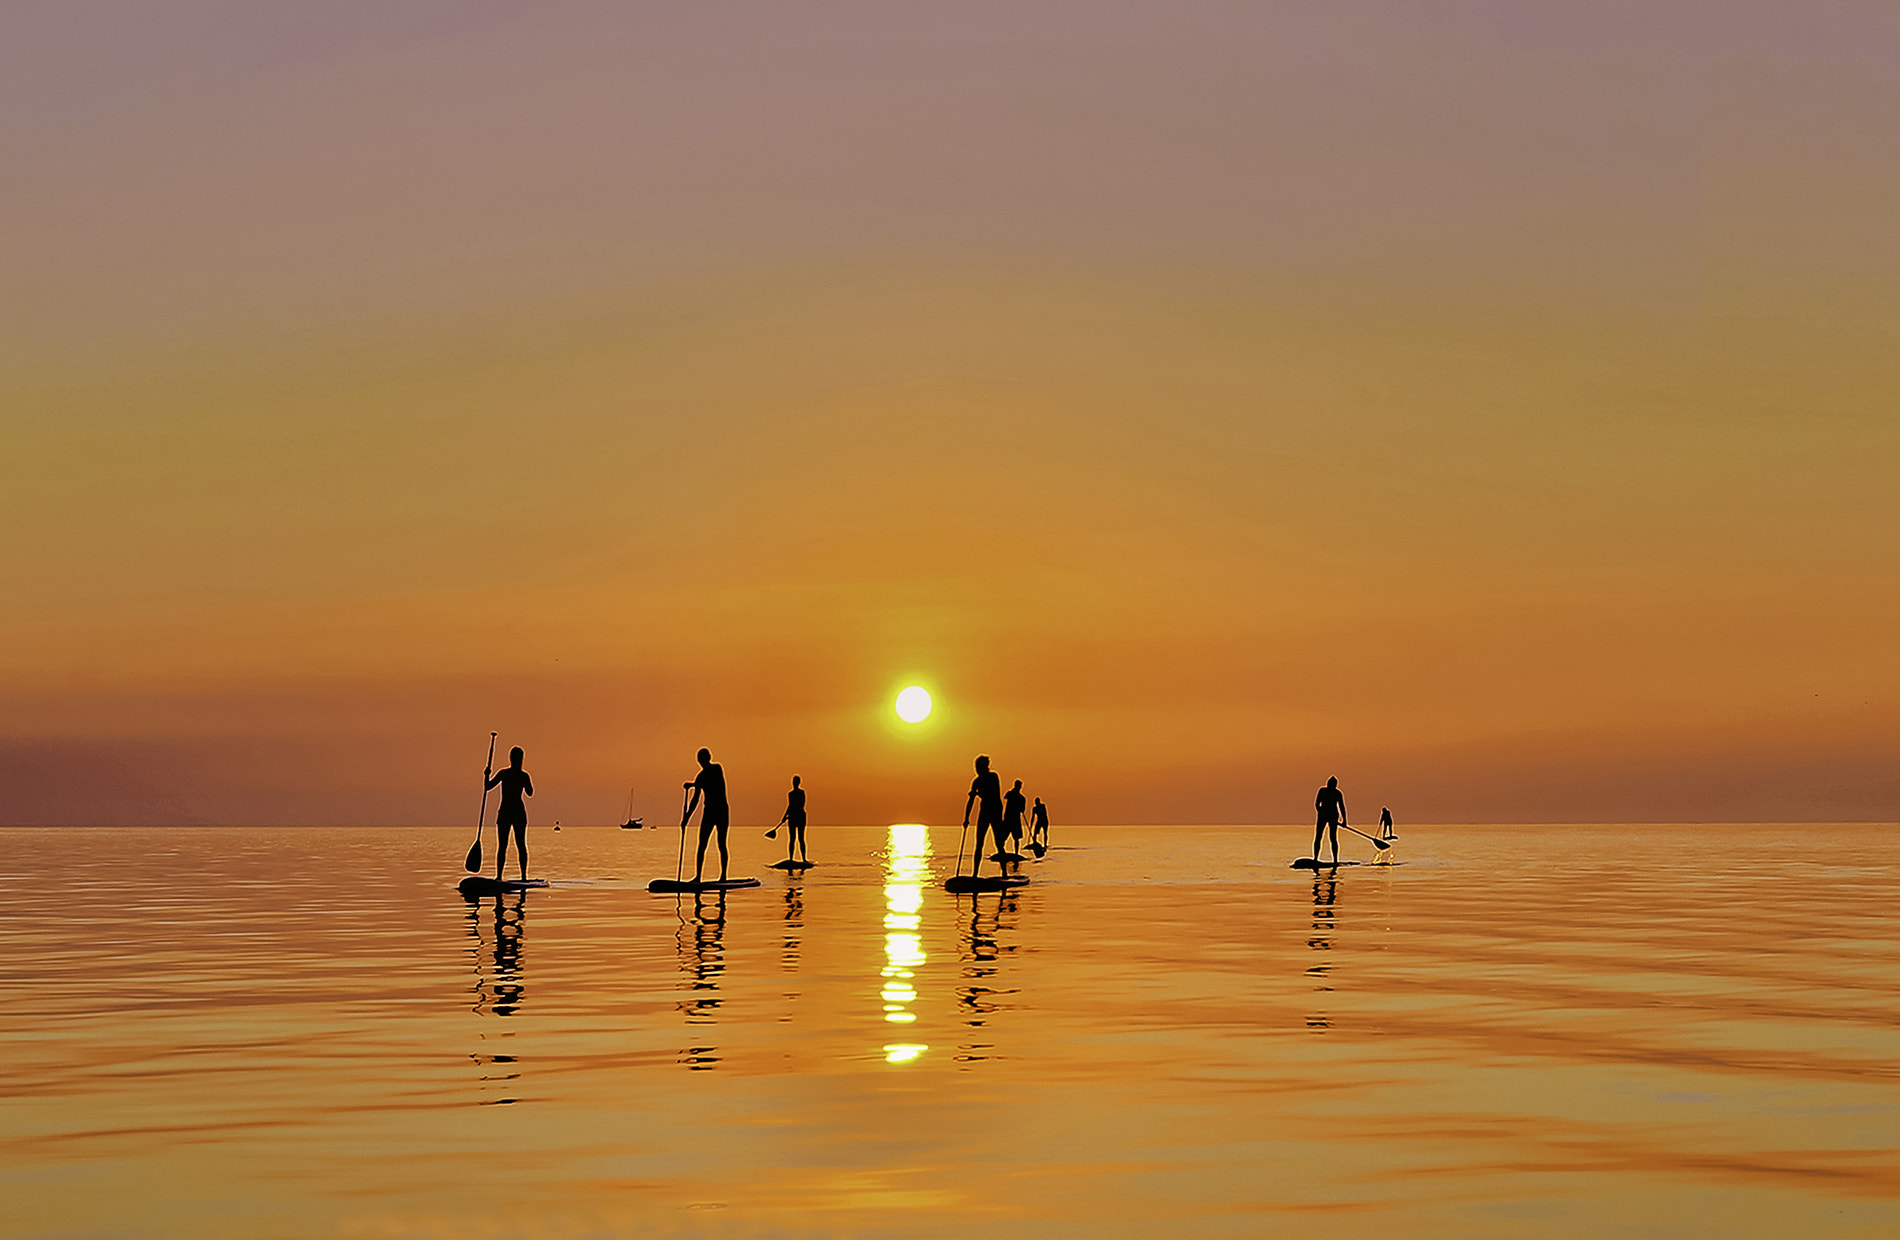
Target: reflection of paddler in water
1039	827
981	960
1325	892
711	783
986	793
793	820
1010	842
501	992
705	959
1331	805
513	813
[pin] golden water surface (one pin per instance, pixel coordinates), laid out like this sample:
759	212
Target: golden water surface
1516	1031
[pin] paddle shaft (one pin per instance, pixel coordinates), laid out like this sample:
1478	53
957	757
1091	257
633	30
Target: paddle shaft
679	867
961	841
1382	844
473	862
488	769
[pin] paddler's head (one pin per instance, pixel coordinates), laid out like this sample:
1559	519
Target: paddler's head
1333	782
514	757
705	757
982	764
794	781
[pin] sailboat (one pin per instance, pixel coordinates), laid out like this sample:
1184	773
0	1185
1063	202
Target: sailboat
632	823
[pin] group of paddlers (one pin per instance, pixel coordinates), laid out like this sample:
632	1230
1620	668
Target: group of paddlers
999	814
1330	806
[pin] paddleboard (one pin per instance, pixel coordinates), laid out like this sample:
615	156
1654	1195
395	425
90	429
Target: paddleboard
1307	863
710	884
793	865
475	885
1006	856
988	882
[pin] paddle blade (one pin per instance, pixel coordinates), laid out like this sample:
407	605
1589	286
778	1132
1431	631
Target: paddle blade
1381	845
772	834
474	862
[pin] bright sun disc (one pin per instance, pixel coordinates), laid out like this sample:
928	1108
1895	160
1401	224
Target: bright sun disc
913	705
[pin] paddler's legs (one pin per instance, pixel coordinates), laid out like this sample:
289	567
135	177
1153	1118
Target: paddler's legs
521	848
996	834
699	858
1319	833
722	850
1334	828
798	833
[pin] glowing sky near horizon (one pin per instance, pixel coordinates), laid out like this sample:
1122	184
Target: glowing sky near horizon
1491	405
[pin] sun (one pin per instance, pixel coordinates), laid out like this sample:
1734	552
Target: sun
913	704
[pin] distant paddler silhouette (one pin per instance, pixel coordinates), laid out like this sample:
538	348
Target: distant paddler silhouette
793	820
1009	837
1039	828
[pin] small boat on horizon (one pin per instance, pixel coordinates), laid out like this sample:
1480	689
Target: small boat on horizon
632	823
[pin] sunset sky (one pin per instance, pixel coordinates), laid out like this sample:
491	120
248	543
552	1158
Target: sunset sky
1496	406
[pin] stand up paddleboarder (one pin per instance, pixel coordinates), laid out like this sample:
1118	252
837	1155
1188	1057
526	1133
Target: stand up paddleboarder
793	820
1385	823
1331	804
1014	806
710	782
986	793
1039	825
512	815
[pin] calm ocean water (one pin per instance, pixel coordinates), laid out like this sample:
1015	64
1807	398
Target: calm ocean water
1574	1031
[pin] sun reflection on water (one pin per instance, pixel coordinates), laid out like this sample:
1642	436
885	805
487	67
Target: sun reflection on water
907	859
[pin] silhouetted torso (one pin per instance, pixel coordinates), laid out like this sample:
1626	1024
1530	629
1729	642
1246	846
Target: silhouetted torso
711	782
795	807
1014	803
512	782
987	788
1331	804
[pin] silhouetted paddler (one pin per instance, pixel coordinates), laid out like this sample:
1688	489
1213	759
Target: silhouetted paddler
793	820
711	782
1331	806
986	793
512	813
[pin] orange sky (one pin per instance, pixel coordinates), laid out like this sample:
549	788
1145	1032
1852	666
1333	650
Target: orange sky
1490	405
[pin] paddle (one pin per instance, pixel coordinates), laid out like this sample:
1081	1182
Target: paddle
1378	843
961	841
474	862
679	867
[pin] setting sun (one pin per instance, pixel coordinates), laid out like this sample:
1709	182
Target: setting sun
913	704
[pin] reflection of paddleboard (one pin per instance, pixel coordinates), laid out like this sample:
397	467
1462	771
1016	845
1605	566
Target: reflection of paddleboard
989	882
710	884
1006	856
793	865
1307	863
476	885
